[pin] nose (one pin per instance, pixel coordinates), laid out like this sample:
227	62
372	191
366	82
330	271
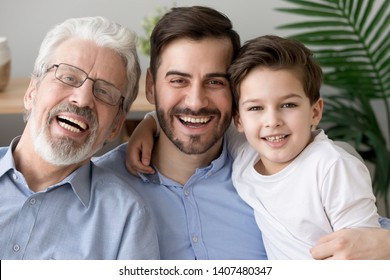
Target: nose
196	98
83	96
272	118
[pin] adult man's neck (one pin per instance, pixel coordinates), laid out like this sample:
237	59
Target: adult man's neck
179	166
39	174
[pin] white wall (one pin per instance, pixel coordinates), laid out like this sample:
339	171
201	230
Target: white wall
26	22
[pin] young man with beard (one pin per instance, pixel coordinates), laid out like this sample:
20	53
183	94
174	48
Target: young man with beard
199	214
55	203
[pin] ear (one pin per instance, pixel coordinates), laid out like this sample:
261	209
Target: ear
116	130
30	95
237	122
317	109
149	87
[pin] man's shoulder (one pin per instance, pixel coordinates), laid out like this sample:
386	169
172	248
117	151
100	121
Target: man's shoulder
114	157
3	151
103	175
114	160
112	184
99	172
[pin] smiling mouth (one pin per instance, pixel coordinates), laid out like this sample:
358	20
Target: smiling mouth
194	121
276	138
71	124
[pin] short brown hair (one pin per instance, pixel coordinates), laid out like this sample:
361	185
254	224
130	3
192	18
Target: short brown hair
195	23
277	53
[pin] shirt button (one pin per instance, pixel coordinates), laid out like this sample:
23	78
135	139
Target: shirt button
195	239
33	201
15	176
186	192
16	248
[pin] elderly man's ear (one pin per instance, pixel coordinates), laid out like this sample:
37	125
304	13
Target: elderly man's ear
30	94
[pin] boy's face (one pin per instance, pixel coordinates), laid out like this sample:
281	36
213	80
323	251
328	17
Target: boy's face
276	116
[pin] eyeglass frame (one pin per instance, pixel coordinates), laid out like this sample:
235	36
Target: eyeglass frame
120	101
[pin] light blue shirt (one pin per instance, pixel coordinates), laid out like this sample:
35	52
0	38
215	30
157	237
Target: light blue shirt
91	214
204	219
385	222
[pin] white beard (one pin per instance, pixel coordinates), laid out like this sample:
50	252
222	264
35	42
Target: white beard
62	151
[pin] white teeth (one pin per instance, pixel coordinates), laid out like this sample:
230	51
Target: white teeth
69	127
275	139
80	124
194	120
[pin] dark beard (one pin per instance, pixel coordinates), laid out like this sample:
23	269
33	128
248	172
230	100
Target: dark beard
195	145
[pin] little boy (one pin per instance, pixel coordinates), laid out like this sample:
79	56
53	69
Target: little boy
301	185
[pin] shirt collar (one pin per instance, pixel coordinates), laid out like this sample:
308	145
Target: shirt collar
215	166
79	180
7	161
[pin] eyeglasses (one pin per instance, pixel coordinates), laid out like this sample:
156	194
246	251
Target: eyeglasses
75	77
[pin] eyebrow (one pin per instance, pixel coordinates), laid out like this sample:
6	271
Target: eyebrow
209	75
292	95
288	96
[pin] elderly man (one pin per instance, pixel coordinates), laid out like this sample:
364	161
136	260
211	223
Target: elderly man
55	203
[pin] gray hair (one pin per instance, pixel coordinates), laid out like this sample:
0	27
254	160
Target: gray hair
104	33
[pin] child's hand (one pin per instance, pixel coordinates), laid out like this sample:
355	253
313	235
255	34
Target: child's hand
140	146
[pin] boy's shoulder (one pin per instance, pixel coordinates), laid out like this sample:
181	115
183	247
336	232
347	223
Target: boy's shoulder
330	149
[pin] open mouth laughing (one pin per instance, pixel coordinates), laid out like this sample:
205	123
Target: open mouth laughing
71	124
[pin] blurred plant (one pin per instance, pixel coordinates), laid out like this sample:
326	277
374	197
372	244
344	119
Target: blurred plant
148	23
350	39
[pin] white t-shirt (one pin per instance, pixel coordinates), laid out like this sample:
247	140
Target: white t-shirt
323	190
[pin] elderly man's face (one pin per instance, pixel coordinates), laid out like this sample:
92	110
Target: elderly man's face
67	124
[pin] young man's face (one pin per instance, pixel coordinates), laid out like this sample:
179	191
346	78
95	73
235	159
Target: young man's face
69	124
192	93
276	116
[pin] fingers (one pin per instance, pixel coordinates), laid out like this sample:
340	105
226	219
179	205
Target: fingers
146	155
321	252
325	248
137	160
340	245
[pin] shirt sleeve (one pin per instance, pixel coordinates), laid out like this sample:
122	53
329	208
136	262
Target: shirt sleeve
384	222
347	193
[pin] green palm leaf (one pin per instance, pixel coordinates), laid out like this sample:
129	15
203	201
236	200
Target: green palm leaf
351	41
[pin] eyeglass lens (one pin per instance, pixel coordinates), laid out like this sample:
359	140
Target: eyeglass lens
76	77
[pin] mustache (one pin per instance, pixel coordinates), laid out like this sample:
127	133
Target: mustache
84	112
201	112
